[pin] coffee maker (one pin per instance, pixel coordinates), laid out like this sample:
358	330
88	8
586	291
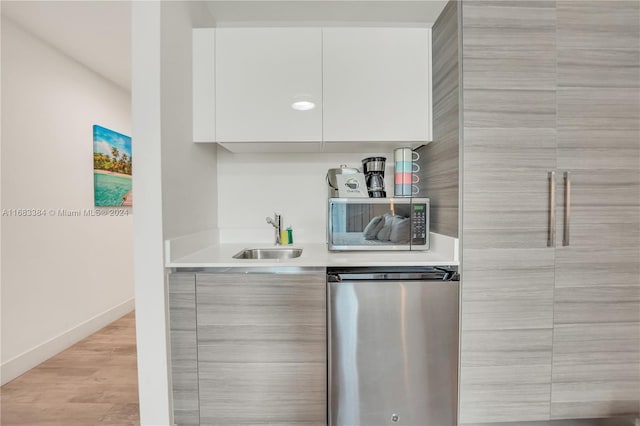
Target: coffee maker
373	168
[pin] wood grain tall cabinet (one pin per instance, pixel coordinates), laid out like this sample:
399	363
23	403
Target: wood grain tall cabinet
509	147
596	338
550	324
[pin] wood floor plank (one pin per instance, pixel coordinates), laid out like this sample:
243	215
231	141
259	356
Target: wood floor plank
94	382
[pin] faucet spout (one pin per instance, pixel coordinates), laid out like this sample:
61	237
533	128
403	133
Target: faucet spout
276	222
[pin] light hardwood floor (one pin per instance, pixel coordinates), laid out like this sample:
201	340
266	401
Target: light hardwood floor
95	382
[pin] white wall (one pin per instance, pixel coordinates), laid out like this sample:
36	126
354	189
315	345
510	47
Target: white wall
254	186
189	189
175	179
153	384
62	277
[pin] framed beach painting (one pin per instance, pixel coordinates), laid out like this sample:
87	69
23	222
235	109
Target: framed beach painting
111	168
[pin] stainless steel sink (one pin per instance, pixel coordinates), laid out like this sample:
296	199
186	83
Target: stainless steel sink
268	253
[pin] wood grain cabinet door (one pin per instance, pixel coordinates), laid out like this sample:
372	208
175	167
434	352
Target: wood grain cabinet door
596	340
550	331
262	348
509	147
184	356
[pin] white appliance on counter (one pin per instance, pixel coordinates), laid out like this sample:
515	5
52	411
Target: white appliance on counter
378	224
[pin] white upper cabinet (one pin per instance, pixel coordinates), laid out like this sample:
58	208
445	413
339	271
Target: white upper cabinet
376	84
204	89
367	85
260	73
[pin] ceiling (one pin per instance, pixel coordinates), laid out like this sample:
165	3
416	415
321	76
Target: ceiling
95	33
98	33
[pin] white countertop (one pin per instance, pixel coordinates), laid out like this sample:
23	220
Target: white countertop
443	253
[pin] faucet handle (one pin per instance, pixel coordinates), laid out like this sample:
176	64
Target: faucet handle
276	221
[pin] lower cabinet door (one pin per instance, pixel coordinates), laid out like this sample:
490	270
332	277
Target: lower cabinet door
184	349
262	348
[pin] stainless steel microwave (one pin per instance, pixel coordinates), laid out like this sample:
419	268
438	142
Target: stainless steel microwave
378	224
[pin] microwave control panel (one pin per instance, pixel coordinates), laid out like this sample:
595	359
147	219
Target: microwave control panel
419	224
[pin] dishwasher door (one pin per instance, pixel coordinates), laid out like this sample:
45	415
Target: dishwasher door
393	348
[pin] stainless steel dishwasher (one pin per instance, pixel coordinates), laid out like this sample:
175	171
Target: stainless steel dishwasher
393	346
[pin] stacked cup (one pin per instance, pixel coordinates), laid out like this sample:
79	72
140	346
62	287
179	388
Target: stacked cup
405	178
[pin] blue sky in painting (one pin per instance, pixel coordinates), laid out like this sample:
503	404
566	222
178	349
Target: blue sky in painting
105	139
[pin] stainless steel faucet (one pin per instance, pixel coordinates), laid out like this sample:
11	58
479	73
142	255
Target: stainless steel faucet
276	221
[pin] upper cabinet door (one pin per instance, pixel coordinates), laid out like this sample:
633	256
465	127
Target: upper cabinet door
260	74
376	84
204	88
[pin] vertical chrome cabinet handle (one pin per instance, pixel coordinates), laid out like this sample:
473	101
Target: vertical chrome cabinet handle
567	208
551	238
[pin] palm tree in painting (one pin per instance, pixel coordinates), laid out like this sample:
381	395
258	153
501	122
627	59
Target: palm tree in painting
116	162
126	164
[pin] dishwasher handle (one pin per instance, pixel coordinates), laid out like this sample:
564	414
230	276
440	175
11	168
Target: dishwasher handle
442	275
334	278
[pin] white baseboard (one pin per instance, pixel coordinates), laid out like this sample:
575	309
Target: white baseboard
35	356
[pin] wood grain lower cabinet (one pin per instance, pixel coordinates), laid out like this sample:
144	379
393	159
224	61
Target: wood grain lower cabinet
262	348
184	349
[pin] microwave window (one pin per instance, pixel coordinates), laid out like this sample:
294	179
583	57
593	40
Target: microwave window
370	224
